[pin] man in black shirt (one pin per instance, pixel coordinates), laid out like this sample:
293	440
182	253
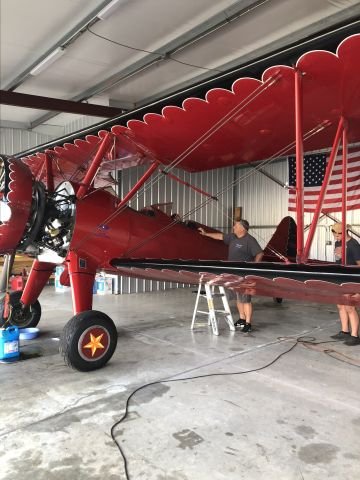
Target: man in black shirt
348	315
242	248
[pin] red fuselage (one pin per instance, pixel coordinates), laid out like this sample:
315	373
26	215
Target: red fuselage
103	233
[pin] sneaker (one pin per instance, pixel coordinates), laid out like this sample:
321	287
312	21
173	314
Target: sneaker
351	341
240	323
341	335
247	328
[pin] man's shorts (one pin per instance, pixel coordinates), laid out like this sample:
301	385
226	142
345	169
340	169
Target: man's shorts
242	298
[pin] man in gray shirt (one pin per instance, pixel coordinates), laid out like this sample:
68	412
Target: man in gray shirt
242	248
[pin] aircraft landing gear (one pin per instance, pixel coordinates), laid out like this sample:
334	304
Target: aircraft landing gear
88	340
21	316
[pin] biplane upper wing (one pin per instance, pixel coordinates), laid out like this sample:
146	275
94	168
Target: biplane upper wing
252	121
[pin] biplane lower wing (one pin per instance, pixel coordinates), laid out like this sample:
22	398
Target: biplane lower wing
323	283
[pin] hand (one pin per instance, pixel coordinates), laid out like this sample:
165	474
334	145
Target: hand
201	231
338	253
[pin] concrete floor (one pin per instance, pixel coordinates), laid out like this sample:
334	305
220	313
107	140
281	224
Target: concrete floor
298	419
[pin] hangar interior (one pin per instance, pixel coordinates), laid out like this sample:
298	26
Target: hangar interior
280	402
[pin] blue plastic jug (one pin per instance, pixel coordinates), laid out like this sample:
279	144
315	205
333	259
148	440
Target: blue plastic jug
9	343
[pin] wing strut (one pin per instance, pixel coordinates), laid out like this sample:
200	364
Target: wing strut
299	167
344	194
187	184
49	174
94	166
324	186
137	185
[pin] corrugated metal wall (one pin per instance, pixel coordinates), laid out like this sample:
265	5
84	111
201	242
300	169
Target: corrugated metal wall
13	140
189	204
80	122
264	204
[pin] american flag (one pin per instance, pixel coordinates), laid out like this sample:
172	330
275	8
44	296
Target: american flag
314	171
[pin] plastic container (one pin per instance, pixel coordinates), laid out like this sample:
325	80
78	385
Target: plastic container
104	285
58	286
9	343
28	333
100	284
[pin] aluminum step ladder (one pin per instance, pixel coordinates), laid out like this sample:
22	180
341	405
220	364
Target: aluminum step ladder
209	293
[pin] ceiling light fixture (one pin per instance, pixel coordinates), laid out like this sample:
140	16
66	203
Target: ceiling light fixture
51	58
107	11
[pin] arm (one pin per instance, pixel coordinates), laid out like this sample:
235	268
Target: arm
214	235
259	257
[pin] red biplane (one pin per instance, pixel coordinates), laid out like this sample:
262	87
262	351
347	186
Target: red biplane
50	204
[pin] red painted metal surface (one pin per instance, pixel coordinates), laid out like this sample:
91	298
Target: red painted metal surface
19	201
82	269
323	189
94	166
311	290
262	127
49	174
282	245
103	233
344	194
138	184
39	274
299	166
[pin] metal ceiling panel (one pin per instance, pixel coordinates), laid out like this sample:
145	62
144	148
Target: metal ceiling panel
209	35
28	28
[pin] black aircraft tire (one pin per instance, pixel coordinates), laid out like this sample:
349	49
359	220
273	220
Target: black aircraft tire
88	341
277	300
19	317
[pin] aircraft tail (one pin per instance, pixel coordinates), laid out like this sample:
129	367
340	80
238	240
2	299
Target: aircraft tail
283	242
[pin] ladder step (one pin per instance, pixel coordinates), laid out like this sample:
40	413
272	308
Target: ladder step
209	294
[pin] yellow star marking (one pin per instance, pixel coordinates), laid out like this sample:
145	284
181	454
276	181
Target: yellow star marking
95	343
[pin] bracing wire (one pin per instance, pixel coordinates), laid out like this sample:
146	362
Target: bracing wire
221	192
214	128
227	117
219	124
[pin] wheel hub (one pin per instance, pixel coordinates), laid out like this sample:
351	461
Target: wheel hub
94	343
19	315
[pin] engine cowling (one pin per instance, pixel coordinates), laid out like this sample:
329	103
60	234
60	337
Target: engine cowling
16	186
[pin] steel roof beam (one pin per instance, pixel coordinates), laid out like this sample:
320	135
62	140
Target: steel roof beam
56	104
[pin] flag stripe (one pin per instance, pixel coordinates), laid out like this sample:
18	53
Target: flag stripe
331	200
330	191
314	172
